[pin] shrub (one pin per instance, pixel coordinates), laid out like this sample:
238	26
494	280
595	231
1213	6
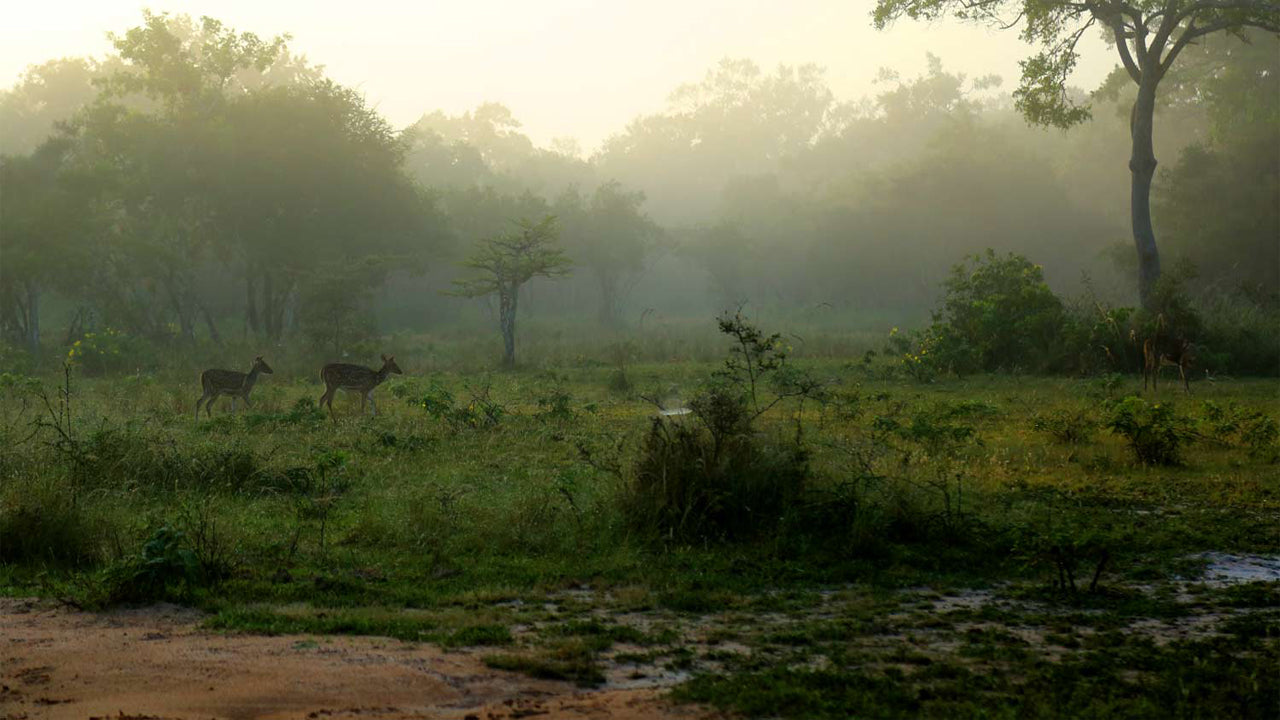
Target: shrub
713	478
165	568
710	475
481	411
16	359
1154	431
98	353
1069	427
125	458
556	405
304	412
1240	336
1099	338
1255	431
998	314
38	526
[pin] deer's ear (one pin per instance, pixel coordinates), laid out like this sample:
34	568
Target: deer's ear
384	358
259	358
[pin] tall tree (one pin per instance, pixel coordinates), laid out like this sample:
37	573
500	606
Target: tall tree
608	233
312	177
155	129
1148	36
46	94
45	214
1219	204
504	263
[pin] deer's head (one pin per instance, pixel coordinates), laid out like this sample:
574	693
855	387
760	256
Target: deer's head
261	365
389	364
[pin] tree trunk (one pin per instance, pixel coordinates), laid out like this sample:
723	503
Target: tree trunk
507	303
608	299
178	297
251	302
208	321
275	301
1142	166
33	319
268	309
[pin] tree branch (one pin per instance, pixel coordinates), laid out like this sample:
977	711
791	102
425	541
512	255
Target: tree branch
1112	15
1192	32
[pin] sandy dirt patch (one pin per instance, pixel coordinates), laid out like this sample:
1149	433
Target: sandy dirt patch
156	664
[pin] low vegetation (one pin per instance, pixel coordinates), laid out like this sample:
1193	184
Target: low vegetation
750	526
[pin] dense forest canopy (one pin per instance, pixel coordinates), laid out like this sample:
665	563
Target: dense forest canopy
204	183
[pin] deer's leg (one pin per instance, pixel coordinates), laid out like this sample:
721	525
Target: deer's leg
245	397
327	399
233	404
372	404
1182	370
199	402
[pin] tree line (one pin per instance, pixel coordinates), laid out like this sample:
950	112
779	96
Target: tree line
202	182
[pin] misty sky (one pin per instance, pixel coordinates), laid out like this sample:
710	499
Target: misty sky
566	68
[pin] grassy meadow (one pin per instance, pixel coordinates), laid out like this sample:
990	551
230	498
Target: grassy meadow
986	546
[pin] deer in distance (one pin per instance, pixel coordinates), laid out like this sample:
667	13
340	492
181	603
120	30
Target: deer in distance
1160	351
229	382
355	378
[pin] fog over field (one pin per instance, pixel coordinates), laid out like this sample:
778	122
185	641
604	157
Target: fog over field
566	68
892	359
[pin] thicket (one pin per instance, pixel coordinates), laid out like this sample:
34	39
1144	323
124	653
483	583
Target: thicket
727	470
998	315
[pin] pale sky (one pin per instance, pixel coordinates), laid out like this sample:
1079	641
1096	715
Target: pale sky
564	67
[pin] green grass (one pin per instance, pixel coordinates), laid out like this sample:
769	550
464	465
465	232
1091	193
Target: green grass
503	538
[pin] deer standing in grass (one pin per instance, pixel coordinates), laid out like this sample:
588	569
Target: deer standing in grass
1159	351
229	382
355	378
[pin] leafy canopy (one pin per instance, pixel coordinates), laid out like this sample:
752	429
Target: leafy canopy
1148	36
509	260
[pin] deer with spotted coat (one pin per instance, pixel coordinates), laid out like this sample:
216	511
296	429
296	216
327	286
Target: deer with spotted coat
355	378
229	382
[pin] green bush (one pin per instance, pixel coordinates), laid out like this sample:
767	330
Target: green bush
998	314
1240	336
166	568
1155	432
126	458
713	477
1069	427
710	475
107	351
1255	431
1098	338
39	526
480	412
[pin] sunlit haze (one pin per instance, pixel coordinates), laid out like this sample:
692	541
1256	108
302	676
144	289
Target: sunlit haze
566	68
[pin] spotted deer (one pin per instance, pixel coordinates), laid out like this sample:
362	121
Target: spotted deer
355	378
229	382
1162	350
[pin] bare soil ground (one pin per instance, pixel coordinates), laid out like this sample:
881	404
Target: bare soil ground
156	664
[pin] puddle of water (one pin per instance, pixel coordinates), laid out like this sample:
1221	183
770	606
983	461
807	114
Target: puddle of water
1228	569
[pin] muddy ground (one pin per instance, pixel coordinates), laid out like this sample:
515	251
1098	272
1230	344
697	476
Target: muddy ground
156	663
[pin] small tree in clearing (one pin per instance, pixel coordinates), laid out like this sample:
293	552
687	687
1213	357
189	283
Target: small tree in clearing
510	260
